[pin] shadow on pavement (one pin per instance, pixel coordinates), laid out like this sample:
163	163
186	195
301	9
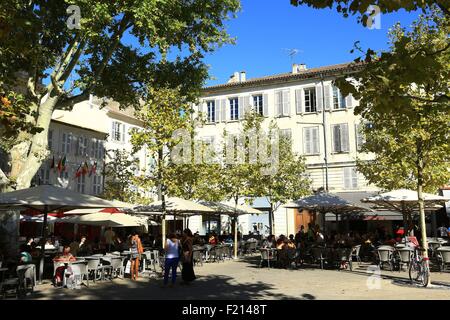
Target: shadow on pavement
204	287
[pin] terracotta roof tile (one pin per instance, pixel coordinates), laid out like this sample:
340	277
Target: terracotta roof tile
311	73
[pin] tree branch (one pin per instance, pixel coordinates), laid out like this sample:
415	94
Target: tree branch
115	42
68	103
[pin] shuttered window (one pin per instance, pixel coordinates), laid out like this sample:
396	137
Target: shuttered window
310	99
234	108
211	111
282	103
311	140
258	105
66	142
118	131
338	99
350	178
340	141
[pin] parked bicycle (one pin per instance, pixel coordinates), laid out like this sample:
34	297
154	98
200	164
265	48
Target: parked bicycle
419	269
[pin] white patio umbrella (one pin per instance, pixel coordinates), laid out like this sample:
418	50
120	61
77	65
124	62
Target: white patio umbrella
172	205
38	219
324	202
110	220
232	211
47	198
406	201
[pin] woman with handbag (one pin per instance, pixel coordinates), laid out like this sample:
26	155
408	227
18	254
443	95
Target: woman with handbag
136	251
187	273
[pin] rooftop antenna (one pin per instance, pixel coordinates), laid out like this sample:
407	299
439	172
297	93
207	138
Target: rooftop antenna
292	53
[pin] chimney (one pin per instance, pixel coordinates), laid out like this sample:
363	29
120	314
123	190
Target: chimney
234	78
297	68
243	76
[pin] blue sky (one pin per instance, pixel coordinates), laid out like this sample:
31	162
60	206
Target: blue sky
265	29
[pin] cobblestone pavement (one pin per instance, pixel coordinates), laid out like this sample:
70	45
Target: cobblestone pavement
243	279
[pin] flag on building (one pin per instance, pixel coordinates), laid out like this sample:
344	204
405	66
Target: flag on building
78	172
85	169
93	169
60	165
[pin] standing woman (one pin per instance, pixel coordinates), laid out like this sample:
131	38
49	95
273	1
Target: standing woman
187	273
136	250
172	257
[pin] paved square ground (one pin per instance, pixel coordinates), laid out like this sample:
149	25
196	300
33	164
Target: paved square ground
243	279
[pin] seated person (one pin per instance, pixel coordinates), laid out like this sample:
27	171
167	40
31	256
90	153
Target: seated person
65	256
84	248
25	258
212	240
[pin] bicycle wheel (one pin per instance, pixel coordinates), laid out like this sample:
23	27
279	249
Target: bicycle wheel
414	271
425	276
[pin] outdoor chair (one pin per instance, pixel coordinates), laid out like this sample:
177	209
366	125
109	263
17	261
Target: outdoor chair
267	255
197	256
56	265
344	258
318	256
94	269
117	270
434	245
443	254
386	255
405	256
26	278
80	271
149	261
355	253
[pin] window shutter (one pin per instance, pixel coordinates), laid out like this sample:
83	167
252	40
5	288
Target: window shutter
70	143
354	178
315	140
349	101
359	136
319	101
113	130
216	111
266	105
299	101
278	103
286	102
328	96
241	108
223	110
335	129
347	177
344	137
307	140
246	105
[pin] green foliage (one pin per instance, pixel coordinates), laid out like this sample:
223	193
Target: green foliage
290	181
14	109
360	7
119	175
404	94
120	51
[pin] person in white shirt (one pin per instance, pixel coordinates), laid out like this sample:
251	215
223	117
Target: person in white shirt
172	248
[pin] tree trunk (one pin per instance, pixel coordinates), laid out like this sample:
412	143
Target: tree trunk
26	157
423	226
271	219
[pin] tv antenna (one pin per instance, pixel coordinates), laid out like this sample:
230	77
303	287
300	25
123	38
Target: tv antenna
292	53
